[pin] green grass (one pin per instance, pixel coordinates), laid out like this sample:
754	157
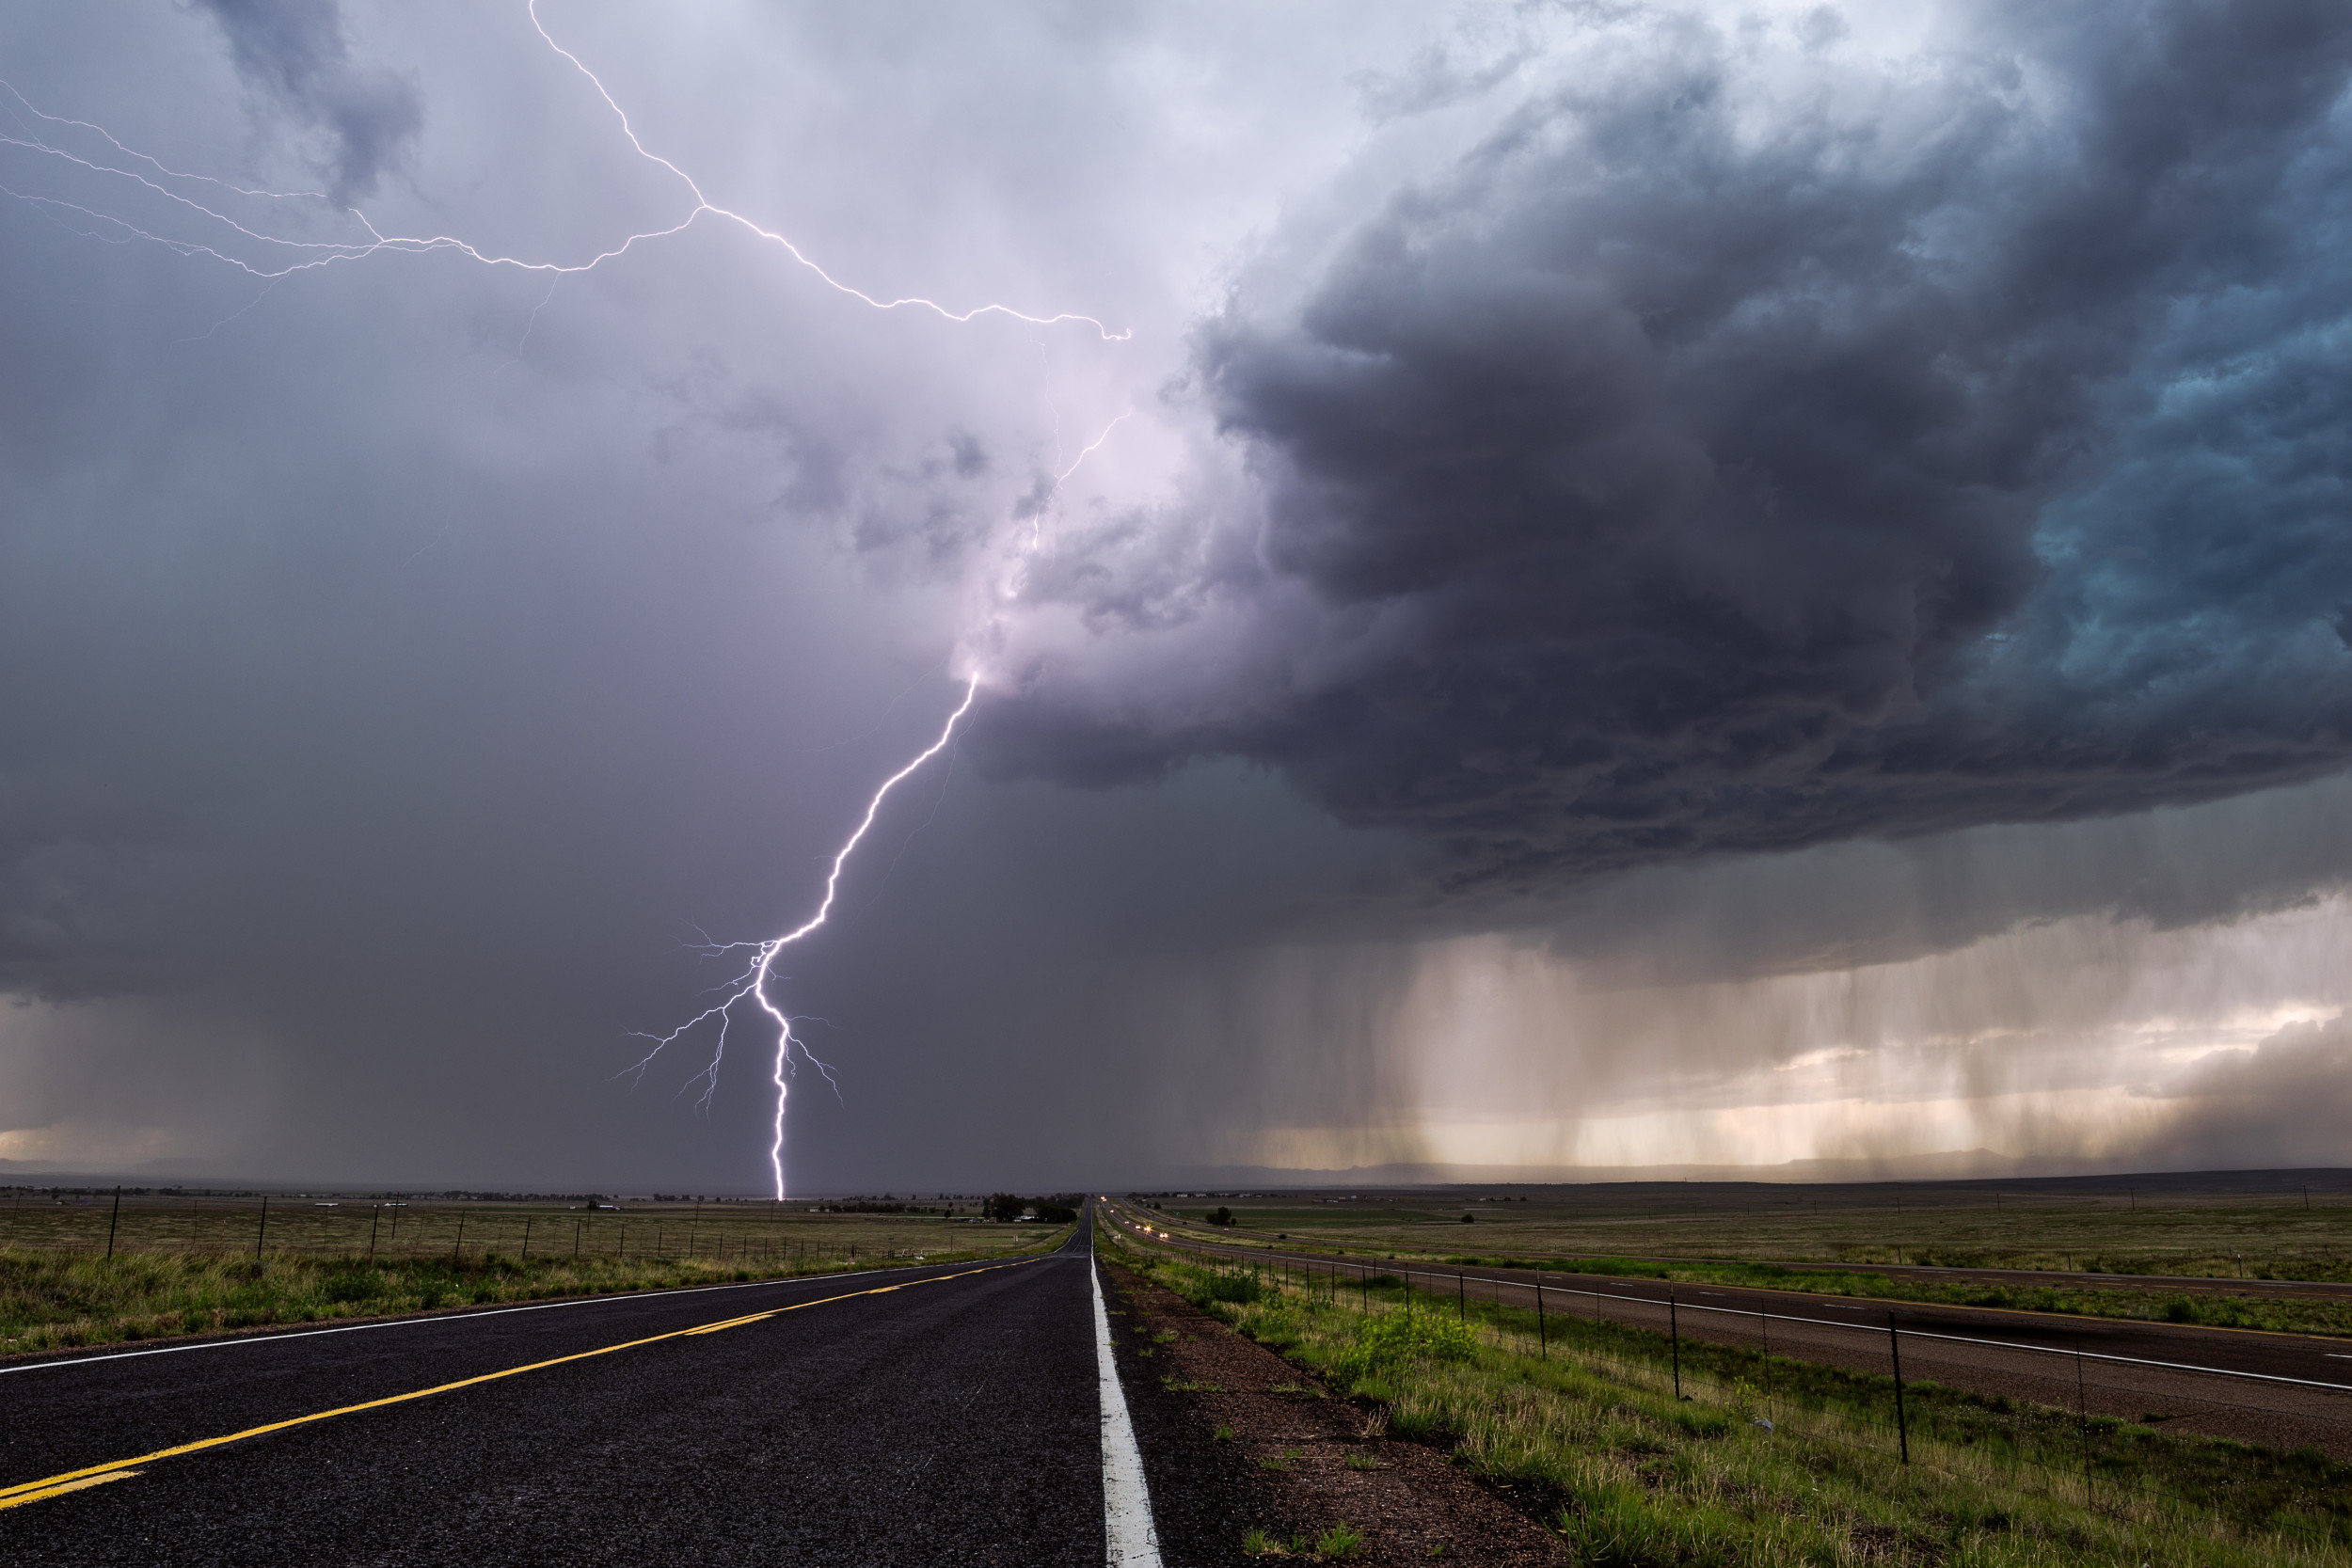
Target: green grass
2172	1230
1642	1477
2293	1315
61	1300
1788	1240
1339	1544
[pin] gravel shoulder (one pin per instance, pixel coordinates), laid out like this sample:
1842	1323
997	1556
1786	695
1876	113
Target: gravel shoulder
1285	1468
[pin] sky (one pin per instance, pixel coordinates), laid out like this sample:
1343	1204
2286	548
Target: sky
1550	588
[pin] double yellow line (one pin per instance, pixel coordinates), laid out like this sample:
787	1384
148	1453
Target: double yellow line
98	1475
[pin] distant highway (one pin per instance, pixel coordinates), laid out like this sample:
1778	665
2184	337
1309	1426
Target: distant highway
2282	1390
940	1414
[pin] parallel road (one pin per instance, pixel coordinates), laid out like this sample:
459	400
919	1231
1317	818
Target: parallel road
943	1415
2281	1389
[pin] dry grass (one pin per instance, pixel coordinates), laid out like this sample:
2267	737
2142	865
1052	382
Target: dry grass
60	1300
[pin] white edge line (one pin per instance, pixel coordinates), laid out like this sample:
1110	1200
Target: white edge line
1129	1538
611	1299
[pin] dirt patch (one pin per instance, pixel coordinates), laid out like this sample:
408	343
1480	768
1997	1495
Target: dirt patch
1298	1461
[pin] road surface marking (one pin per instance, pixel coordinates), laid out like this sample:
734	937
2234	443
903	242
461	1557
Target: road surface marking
612	1299
50	1486
59	1491
1127	1533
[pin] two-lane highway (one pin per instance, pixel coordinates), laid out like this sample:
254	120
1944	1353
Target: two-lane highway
941	1415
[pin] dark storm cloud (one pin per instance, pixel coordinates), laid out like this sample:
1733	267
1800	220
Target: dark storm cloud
295	53
1677	475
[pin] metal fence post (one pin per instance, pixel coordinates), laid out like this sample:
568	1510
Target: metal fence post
1543	1345
263	1232
376	1223
112	1219
458	1248
1894	1350
2082	1414
1673	1338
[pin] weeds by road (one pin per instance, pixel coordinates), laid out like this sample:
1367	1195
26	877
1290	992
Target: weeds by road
56	1301
1636	1476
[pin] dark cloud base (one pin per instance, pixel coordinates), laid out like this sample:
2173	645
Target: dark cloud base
1681	487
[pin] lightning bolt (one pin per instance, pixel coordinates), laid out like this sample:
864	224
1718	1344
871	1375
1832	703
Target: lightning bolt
754	984
310	254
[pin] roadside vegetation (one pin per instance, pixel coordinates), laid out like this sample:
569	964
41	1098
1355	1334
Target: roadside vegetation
1782	1245
2181	1229
2212	1308
1770	1461
52	1300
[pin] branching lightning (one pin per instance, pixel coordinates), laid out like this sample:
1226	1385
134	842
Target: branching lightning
308	254
752	984
279	257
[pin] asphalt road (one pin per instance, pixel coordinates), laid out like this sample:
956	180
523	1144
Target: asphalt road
945	1415
2282	1390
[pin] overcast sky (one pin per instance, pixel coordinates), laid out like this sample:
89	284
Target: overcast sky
1550	586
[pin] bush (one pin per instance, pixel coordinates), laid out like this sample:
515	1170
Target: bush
1388	1343
1241	1288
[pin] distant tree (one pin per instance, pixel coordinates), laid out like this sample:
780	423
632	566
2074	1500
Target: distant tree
1003	1206
1469	1219
1222	1216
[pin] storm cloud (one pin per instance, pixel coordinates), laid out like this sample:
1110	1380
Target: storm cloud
1748	443
295	53
1622	583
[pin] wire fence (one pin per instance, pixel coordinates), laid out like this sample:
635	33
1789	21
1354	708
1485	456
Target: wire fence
2065	1423
399	1229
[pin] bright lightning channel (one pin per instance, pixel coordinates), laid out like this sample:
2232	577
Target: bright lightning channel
320	253
753	984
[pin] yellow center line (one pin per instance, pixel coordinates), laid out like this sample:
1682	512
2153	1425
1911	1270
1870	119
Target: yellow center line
73	1480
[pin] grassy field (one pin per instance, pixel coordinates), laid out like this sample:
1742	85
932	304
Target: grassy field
2172	1226
198	1266
1634	1475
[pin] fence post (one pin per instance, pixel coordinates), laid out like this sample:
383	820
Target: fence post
576	1238
1894	1350
263	1232
376	1223
112	1220
458	1250
1461	1306
1543	1345
526	1239
1673	1338
2082	1415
